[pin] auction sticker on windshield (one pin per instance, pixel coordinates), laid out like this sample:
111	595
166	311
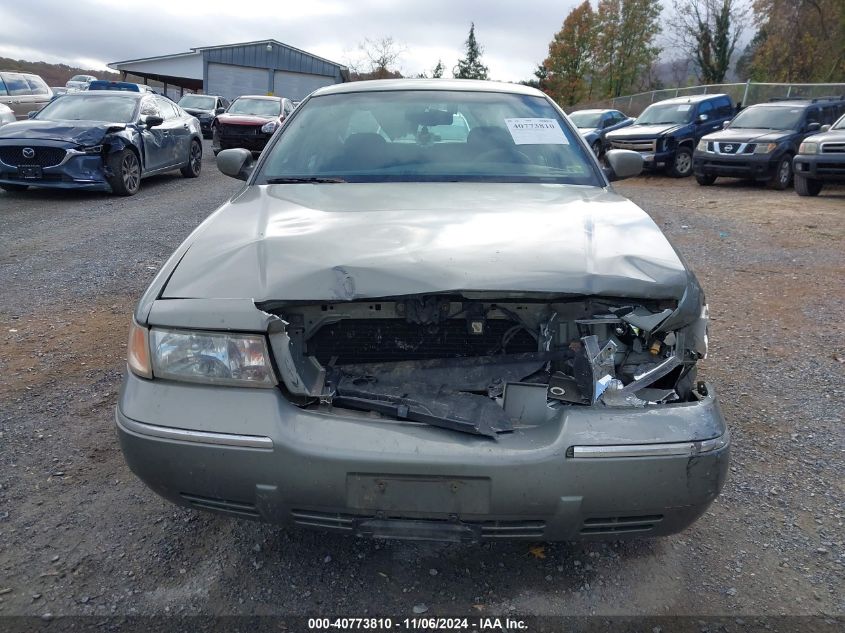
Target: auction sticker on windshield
536	132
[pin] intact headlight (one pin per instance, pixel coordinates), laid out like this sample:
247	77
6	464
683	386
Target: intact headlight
211	357
765	148
808	148
269	127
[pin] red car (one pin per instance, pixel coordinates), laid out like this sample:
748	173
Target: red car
249	122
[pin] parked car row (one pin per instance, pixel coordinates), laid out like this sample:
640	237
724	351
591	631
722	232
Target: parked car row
700	135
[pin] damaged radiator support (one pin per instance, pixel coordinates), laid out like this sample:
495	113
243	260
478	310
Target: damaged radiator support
466	391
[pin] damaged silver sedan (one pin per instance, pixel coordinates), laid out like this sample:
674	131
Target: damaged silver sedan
427	315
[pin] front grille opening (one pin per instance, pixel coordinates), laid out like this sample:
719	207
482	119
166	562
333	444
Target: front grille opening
386	340
620	525
239	508
43	156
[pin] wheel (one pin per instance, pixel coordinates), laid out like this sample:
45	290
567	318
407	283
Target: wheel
125	179
807	186
13	188
681	166
192	169
596	147
705	180
783	174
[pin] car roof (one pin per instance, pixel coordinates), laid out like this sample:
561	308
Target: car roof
692	98
801	103
267	97
469	85
594	110
93	94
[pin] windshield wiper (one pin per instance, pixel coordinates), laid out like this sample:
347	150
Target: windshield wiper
317	180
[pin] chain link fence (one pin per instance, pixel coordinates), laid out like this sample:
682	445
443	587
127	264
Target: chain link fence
746	94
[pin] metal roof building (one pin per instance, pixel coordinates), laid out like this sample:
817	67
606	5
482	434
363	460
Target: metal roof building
231	70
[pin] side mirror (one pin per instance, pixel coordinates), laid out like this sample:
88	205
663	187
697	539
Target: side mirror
824	128
623	163
702	118
725	124
814	127
153	120
236	163
219	110
31	114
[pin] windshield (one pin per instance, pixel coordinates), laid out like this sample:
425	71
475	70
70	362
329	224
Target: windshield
428	135
90	107
258	107
80	78
840	124
666	113
585	119
768	117
199	102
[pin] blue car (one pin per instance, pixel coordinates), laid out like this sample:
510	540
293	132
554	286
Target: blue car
100	141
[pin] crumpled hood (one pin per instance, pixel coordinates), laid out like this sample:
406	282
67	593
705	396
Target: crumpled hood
348	241
748	135
79	132
244	119
643	131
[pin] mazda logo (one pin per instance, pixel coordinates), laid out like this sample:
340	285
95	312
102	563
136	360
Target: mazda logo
729	148
28	152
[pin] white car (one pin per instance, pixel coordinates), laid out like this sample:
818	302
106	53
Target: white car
80	82
6	114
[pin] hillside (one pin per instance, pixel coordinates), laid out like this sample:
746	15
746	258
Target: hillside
53	74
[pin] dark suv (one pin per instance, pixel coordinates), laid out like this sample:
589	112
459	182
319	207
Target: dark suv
760	142
667	132
820	159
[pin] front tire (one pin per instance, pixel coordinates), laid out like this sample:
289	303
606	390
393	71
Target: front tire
192	169
14	188
783	174
807	186
681	166
126	172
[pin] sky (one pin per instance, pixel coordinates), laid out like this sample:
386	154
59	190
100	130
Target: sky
90	33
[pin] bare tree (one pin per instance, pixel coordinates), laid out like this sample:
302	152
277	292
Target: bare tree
708	31
380	59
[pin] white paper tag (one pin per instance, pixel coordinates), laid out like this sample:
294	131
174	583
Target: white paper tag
684	108
536	132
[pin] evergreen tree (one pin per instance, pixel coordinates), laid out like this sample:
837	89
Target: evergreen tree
437	73
470	67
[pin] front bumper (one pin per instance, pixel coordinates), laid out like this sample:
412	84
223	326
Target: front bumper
251	453
75	171
749	166
829	167
252	142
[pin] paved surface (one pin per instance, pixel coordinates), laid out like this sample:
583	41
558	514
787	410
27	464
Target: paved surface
80	535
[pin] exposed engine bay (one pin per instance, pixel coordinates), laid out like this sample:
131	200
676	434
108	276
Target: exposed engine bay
484	366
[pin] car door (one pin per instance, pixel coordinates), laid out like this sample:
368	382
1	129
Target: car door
710	124
20	95
157	153
178	133
41	93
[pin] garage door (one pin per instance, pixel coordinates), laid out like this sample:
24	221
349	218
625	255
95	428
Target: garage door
296	86
234	81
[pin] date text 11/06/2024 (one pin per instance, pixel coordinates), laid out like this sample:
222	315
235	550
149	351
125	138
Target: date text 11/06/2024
417	624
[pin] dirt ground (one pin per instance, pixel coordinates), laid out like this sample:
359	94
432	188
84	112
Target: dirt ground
80	535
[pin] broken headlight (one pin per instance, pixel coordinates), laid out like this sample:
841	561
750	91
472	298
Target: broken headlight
211	357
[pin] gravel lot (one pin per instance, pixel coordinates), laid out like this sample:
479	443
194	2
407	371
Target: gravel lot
80	535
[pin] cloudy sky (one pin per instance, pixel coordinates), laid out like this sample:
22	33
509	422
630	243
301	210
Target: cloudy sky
90	33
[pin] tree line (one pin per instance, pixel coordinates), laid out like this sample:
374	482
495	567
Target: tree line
613	49
608	48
